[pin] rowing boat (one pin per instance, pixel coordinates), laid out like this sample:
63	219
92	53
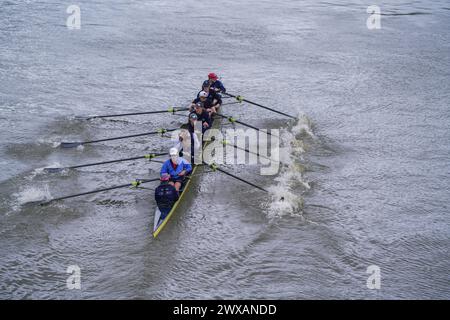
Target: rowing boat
158	223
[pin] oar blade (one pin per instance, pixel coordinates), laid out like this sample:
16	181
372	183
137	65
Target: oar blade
32	203
53	170
70	144
82	118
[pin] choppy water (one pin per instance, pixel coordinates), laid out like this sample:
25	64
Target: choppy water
370	184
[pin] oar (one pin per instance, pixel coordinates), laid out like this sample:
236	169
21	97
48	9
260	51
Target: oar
76	144
234	120
170	110
149	156
241	98
215	167
228	103
136	183
227	143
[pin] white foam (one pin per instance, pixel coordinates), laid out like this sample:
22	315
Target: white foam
30	194
290	182
284	202
49	141
303	126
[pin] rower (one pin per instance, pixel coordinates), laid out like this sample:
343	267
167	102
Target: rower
213	96
192	122
203	116
188	139
177	167
215	83
165	195
202	98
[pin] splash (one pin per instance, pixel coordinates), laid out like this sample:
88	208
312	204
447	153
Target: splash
55	167
55	144
32	194
285	202
290	183
303	127
49	141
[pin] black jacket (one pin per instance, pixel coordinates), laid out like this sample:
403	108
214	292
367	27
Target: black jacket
165	195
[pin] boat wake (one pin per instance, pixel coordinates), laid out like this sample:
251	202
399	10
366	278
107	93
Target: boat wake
291	183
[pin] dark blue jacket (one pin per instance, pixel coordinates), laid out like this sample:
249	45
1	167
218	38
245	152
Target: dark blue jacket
212	95
216	85
165	195
208	103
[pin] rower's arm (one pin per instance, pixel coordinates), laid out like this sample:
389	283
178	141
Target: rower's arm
219	99
222	88
164	169
207	118
187	166
178	146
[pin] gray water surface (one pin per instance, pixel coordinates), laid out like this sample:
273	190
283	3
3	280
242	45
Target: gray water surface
372	139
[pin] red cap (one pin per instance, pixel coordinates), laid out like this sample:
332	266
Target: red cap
212	76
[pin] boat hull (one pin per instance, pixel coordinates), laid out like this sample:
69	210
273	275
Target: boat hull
158	223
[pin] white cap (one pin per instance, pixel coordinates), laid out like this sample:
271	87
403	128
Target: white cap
173	151
203	94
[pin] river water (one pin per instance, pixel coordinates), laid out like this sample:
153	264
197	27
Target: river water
367	181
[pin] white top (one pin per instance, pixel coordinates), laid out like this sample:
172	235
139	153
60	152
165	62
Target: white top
186	144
